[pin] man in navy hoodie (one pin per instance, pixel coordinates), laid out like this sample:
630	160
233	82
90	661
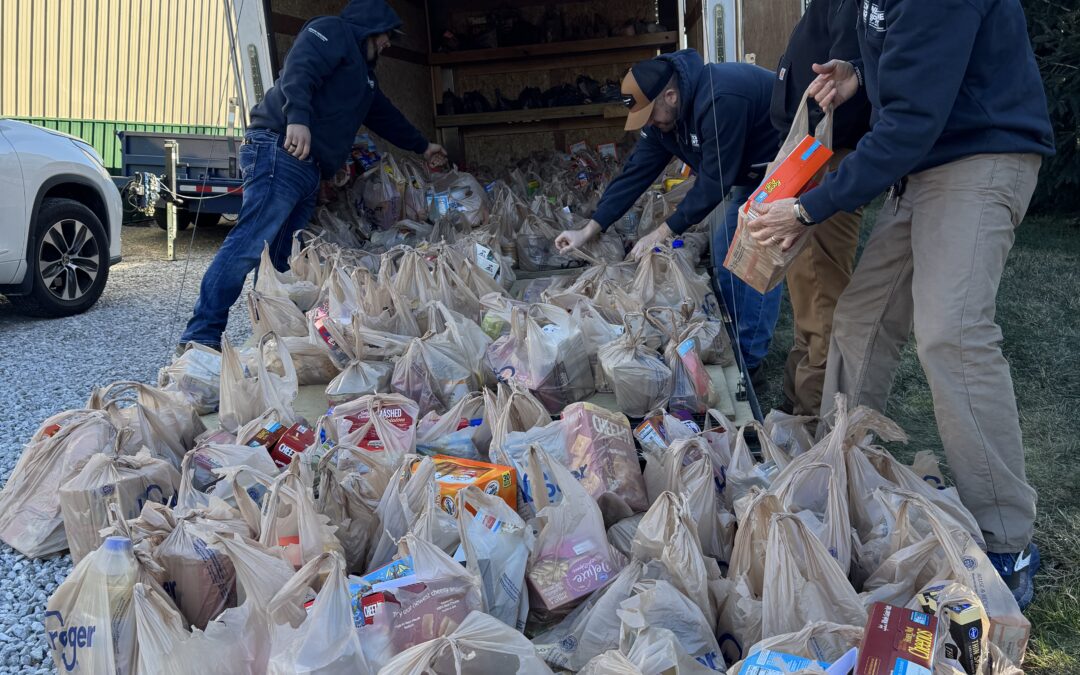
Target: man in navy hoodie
959	129
716	119
301	132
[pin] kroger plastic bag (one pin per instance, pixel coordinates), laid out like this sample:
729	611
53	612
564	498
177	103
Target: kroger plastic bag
545	353
571	558
638	376
401	505
272	314
164	421
496	545
196	373
460	193
949	552
597	333
270	282
112	478
311	361
348	497
686	469
244	398
291	521
462	431
479	645
790	432
89	619
805	582
740	616
361	376
322	639
383	195
30	517
378	423
593	626
435	374
659	606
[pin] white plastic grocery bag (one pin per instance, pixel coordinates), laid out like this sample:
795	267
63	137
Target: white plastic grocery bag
496	543
322	639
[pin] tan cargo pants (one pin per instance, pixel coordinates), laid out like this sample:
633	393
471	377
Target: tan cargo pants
815	281
934	266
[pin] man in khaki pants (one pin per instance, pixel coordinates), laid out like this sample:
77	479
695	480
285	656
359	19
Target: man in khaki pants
959	129
820	273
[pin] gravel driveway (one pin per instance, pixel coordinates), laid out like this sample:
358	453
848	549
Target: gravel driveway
47	366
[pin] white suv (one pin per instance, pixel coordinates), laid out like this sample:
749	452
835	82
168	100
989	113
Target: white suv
60	217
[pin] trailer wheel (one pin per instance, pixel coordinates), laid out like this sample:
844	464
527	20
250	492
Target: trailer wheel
183	218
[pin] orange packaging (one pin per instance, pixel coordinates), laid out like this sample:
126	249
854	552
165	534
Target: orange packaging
763	267
453	474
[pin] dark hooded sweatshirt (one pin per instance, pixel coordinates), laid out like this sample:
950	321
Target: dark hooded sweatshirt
722	131
328	86
947	79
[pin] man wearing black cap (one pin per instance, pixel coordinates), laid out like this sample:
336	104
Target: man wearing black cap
302	131
716	119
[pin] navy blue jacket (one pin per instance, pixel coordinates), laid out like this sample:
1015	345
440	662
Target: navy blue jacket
328	86
723	129
947	79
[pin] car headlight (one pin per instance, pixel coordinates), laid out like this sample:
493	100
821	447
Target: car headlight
94	157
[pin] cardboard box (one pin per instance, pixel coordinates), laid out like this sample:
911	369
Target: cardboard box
268	436
763	267
571	570
767	662
966	630
298	438
453	473
897	641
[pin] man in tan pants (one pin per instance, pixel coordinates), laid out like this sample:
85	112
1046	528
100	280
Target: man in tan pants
819	275
959	129
815	281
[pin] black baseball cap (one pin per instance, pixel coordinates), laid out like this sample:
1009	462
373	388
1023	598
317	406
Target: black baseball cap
645	81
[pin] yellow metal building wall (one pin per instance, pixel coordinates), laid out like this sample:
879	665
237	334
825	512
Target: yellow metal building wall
145	61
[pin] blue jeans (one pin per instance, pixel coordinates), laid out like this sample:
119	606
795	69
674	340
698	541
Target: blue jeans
279	198
754	314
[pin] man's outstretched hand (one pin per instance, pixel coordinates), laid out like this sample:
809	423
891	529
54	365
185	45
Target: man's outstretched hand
835	83
571	240
435	156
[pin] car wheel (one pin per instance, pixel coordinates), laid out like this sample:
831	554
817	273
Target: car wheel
183	218
69	260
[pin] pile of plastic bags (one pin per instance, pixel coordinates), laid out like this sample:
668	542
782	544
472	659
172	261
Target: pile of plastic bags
461	507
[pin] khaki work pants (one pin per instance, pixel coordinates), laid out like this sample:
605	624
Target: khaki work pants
934	266
815	280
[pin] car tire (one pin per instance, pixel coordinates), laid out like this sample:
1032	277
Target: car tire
183	218
69	260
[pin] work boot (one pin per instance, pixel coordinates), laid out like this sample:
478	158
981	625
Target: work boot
1018	570
759	380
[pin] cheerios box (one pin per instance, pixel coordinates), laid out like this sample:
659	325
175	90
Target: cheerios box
452	474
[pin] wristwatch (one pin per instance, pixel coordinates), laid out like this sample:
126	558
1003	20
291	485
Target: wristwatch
802	216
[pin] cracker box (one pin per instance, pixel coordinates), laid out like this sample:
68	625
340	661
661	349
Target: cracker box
897	641
763	266
571	570
297	439
453	473
268	436
966	631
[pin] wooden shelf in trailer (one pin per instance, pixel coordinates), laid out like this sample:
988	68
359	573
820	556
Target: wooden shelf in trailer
605	110
553	49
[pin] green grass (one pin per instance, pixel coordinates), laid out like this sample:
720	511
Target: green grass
1039	312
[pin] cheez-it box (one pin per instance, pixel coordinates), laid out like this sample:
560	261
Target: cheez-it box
763	267
453	473
897	641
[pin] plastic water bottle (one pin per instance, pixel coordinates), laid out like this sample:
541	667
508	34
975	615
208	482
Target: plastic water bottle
119	570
